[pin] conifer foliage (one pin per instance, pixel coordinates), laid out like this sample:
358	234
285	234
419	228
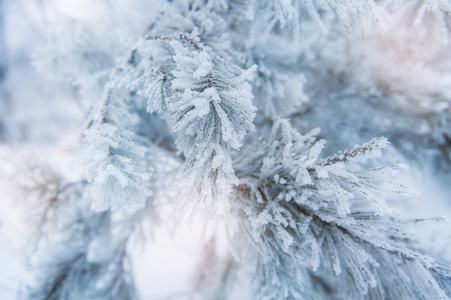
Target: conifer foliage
213	109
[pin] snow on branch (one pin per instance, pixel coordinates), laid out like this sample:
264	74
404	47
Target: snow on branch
116	168
114	162
371	149
205	97
310	219
71	251
356	16
78	256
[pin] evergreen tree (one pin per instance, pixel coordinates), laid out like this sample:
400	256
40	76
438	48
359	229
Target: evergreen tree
214	107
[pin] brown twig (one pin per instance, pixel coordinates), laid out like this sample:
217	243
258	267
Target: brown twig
350	154
180	36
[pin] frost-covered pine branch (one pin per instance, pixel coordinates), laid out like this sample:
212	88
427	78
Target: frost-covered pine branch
73	251
185	112
117	165
321	228
205	98
356	16
81	254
